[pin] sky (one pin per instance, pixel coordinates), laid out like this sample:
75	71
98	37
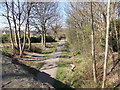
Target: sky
3	20
61	11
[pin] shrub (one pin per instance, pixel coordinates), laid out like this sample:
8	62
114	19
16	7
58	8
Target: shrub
5	38
38	39
50	39
35	39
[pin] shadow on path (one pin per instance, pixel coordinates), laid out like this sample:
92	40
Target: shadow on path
46	78
43	77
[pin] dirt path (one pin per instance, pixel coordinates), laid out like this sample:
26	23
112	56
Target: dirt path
48	71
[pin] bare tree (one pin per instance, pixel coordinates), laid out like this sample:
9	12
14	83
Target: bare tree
19	16
10	27
56	30
19	28
29	6
43	13
15	26
93	47
107	45
27	12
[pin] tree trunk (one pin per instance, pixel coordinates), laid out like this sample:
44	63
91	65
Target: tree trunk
44	38
20	46
15	28
107	45
111	49
28	28
11	36
16	38
93	47
116	33
24	41
29	42
119	49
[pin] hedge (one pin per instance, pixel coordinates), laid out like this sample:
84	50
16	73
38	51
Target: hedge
6	38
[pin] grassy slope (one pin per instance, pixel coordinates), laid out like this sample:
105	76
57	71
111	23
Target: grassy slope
82	76
77	78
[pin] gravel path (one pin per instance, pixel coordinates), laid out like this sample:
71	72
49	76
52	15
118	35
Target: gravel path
48	71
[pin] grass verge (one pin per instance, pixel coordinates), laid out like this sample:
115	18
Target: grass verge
81	77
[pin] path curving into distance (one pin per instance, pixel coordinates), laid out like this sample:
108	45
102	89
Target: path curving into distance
47	73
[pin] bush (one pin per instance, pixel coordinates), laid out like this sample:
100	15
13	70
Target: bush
38	39
35	39
5	38
50	39
73	41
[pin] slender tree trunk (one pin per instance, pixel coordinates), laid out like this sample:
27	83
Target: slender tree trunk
107	45
11	38
24	41
116	33
16	38
111	50
15	28
28	28
20	46
44	38
29	42
119	59
119	49
11	34
93	47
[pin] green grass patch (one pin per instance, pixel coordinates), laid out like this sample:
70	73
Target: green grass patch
81	77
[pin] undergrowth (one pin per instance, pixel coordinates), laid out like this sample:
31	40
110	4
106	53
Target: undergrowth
82	76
